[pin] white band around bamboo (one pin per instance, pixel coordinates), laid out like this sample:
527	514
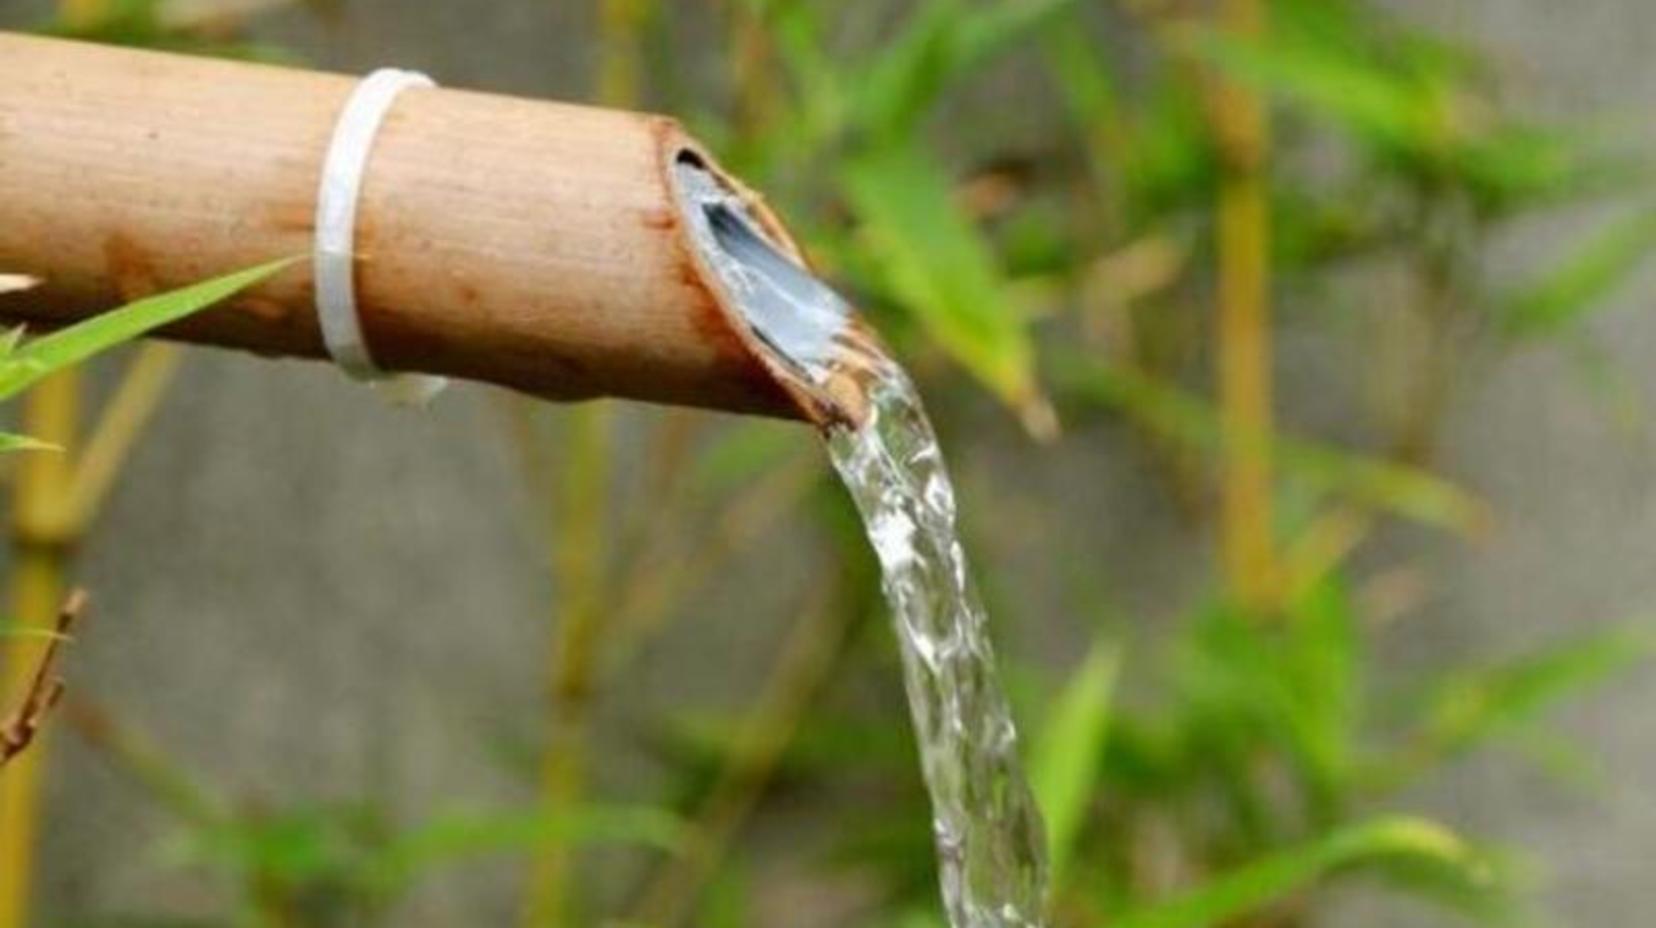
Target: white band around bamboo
335	246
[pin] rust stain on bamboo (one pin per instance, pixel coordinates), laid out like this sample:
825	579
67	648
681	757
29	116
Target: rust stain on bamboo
713	322
129	267
661	219
292	217
709	316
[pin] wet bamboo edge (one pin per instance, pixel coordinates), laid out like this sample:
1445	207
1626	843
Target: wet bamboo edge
534	245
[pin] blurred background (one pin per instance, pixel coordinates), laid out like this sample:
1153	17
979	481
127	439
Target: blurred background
1326	601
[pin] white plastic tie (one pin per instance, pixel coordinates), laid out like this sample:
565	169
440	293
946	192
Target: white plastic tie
335	249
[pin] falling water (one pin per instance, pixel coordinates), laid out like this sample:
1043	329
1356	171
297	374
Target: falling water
987	828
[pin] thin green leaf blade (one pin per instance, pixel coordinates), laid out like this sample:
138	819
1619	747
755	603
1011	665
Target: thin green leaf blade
939	267
1378	483
910	70
1068	751
1002	26
942	42
1379	104
1421	845
78	342
1580	283
10	442
461	836
1091	96
1472	706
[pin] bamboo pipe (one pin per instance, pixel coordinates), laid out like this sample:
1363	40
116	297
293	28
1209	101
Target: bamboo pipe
535	245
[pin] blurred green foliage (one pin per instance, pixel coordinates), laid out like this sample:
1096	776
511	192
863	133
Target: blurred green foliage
1218	773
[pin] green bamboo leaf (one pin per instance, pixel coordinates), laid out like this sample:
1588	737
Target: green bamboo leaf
10	339
1580	283
1374	102
75	344
728	900
1068	751
939	44
1511	165
1409	492
14	629
1091	97
1321	669
462	836
992	30
1419	845
918	917
798	32
739	454
909	71
939	267
1472	706
1609	381
10	442
1411	100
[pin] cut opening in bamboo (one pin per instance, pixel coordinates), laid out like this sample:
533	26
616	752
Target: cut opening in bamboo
535	245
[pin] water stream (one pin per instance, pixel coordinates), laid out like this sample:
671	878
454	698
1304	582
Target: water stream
990	845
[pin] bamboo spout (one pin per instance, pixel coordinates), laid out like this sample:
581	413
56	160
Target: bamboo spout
539	246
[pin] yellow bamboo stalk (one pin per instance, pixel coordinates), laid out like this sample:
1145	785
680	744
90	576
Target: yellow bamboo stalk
751	70
80	13
580	564
581	560
1244	328
42	539
621	61
56	496
120	424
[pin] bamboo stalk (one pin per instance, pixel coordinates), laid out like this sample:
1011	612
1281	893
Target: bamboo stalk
534	245
751	68
81	13
580	563
1244	329
57	495
44	689
621	62
119	425
41	547
581	546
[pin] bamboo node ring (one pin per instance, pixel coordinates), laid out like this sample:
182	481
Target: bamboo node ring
334	256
